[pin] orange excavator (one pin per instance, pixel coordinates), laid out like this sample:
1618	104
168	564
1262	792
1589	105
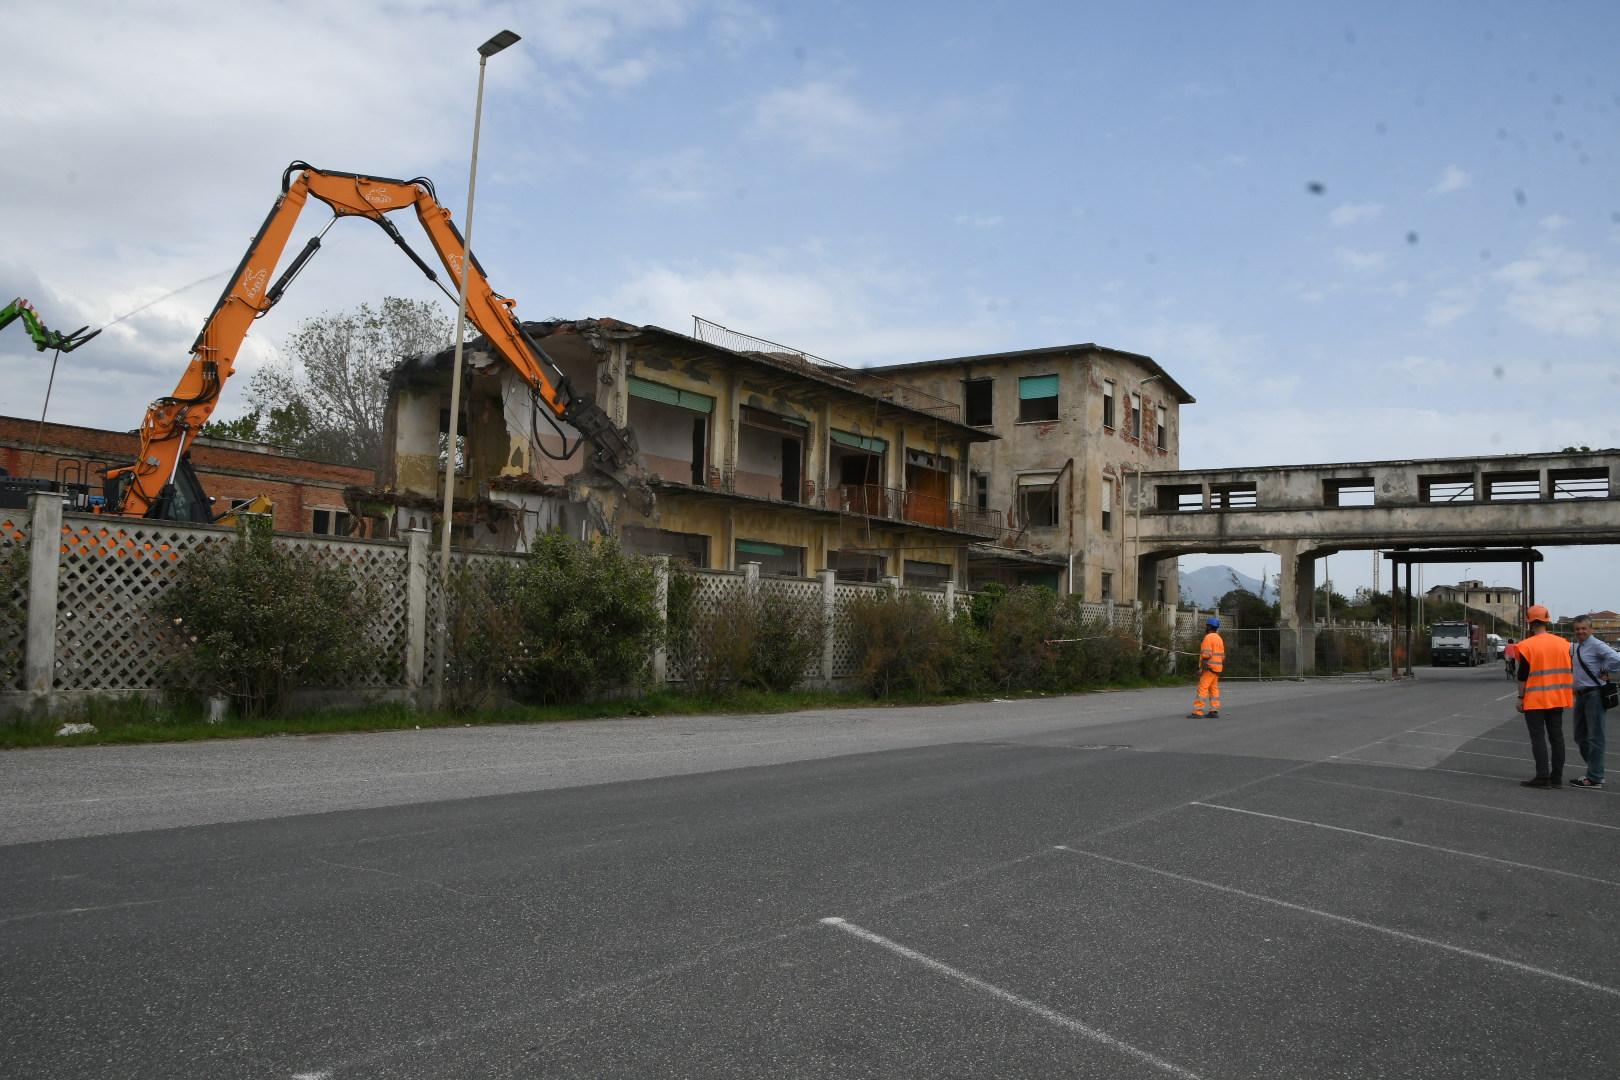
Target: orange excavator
161	482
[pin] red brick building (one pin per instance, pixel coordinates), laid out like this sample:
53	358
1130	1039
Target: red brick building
308	495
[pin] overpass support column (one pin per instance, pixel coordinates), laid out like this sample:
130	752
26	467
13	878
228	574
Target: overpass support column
1296	592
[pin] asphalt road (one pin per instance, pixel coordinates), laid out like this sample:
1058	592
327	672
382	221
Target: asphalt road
1331	880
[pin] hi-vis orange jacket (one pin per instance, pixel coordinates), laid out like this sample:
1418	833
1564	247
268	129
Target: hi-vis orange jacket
1212	653
1552	675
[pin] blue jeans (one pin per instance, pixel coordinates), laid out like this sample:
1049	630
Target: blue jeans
1589	733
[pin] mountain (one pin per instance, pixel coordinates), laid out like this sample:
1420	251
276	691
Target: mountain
1208	584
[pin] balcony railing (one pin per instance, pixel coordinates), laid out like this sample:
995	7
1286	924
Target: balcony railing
894	504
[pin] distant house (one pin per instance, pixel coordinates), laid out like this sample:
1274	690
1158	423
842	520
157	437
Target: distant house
1501	602
757	454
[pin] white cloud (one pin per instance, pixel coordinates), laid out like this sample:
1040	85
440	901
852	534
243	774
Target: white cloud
1362	262
1452	179
1565	292
851	310
1351	213
823	120
1420	370
1555	222
978	221
1447	307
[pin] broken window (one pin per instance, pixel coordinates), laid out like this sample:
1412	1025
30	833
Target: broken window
1182	498
672	429
692	548
857	468
1579	483
978	402
1446	489
856	566
1037	398
1108	404
1038	500
1357	491
926	575
1107	585
329	522
1108	504
770	455
775	560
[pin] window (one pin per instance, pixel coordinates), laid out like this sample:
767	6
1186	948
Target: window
926	575
1038	500
1136	416
856	566
1108	504
1164	428
1108	404
775	560
977	403
1107	585
1037	398
981	491
691	548
330	523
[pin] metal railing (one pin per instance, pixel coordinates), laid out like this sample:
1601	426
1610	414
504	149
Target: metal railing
895	504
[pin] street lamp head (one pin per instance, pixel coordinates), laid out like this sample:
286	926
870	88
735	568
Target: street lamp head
497	43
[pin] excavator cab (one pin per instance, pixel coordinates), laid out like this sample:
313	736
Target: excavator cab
183	499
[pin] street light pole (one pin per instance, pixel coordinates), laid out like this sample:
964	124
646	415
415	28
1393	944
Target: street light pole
485	51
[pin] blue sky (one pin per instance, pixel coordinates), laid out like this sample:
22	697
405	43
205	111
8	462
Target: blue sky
888	182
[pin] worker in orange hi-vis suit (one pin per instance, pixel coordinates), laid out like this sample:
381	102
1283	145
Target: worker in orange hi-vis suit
1211	659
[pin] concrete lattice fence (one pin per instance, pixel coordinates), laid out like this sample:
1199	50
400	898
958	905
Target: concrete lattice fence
82	622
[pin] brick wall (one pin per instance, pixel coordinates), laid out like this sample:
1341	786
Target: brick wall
228	473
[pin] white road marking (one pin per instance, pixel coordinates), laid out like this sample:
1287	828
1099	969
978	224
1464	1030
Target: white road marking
1411	843
1460	802
1460	735
1049	1015
96	907
1470	753
322	1075
1529	969
1435	768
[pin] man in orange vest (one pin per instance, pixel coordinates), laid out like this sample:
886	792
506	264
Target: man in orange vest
1546	689
1211	659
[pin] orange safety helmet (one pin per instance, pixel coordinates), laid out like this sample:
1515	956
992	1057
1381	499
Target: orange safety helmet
1538	613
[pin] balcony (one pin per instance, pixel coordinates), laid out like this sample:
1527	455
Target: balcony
910	507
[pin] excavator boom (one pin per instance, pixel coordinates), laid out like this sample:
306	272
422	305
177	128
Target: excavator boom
148	487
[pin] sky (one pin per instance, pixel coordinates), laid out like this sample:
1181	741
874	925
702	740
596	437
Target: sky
1352	232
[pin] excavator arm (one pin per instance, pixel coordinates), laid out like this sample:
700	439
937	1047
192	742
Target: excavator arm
44	337
158	481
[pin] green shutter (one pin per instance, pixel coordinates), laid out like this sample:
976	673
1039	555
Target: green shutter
1037	386
685	399
759	547
860	442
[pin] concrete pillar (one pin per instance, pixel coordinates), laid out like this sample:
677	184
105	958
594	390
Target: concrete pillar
829	627
892	582
44	564
660	659
950	599
416	441
416	613
618	395
1296	591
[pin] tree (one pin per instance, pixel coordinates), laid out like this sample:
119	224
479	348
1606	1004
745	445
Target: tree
1250	611
327	400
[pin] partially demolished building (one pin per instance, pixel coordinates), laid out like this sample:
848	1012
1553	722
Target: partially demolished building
756	453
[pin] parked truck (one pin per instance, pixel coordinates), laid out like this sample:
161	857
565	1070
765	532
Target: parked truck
1456	643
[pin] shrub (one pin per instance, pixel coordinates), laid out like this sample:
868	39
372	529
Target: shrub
1021	623
766	641
568	622
253	622
902	644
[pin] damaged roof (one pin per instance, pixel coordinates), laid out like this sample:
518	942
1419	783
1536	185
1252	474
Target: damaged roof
1152	365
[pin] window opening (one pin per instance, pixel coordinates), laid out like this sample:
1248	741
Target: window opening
978	402
1037	398
1108	404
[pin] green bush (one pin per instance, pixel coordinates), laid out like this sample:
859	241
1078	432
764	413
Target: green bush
252	622
1020	626
765	642
902	644
568	622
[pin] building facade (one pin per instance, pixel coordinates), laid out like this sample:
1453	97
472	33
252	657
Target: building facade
754	454
306	496
1498	601
1076	424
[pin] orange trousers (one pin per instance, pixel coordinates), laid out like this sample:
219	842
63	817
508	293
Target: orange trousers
1209	693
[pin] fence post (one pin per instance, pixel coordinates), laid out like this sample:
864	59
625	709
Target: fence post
950	599
751	579
892	582
416	571
660	657
829	626
44	566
